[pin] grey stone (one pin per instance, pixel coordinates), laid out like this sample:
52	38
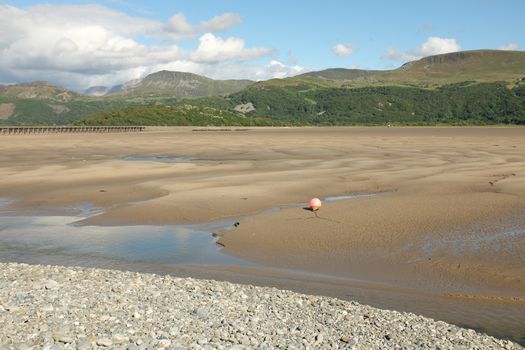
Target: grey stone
51	284
84	344
201	313
104	342
92	308
62	337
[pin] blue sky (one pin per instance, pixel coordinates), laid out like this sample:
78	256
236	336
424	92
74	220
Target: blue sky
279	38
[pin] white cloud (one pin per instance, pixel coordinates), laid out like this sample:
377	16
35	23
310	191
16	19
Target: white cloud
221	23
178	28
276	69
82	45
509	47
435	46
215	49
66	16
432	46
342	50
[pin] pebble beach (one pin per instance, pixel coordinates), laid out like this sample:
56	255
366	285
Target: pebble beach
50	307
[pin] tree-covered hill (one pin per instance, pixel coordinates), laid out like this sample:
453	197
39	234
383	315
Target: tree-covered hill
461	103
177	115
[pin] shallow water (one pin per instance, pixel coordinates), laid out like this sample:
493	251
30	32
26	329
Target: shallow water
348	196
326	199
489	239
171	244
159	159
473	244
44	231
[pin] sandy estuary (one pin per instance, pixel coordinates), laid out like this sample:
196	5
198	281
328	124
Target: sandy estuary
433	221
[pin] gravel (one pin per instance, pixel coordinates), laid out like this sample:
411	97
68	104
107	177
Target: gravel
48	307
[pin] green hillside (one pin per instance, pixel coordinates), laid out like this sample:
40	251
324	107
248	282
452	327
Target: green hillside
44	103
476	65
461	103
179	115
479	65
38	111
38	90
341	74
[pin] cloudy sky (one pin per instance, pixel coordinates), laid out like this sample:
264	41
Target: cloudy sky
79	44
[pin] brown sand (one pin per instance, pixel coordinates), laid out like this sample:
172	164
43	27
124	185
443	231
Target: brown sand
438	182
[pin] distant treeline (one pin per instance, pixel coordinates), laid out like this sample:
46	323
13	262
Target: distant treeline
463	103
44	112
174	115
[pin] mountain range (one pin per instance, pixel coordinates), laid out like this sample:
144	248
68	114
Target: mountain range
481	86
476	65
167	83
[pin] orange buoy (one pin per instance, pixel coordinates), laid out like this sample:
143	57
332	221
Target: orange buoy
315	204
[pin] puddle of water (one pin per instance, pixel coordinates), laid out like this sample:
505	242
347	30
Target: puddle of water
43	231
86	209
326	199
349	196
159	159
172	244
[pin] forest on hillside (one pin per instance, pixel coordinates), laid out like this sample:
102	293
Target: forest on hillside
463	103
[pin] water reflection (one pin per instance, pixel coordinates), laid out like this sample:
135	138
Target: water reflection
348	196
171	244
159	159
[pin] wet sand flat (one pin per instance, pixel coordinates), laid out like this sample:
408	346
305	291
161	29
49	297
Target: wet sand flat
447	216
